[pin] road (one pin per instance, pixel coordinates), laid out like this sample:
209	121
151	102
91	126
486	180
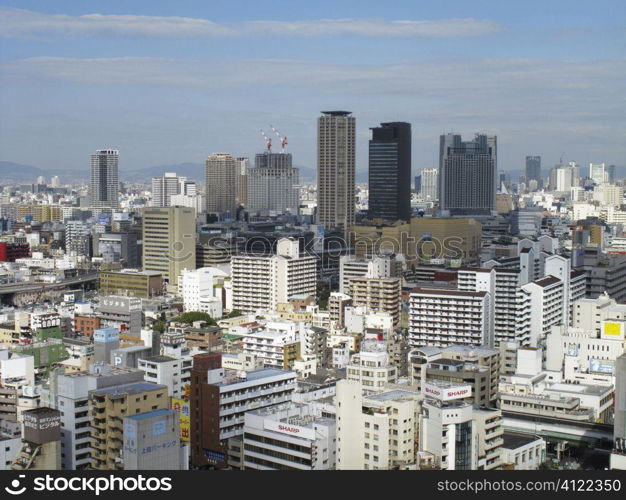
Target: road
13	288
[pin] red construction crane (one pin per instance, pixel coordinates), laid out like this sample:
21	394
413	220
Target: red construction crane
283	139
268	141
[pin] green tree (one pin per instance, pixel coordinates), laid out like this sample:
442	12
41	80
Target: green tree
234	313
323	293
192	316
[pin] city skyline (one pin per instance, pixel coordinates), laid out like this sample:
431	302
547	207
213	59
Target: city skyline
180	86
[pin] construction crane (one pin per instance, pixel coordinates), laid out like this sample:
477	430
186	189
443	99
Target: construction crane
268	141
283	139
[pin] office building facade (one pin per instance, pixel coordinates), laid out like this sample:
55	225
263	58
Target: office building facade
169	241
222	173
273	184
105	183
467	175
533	170
390	172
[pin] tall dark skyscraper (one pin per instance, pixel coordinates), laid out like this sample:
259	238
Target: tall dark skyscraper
390	171
533	170
610	170
418	183
105	183
467	175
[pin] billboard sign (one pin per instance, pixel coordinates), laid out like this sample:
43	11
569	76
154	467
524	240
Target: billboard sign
289	429
184	413
447	393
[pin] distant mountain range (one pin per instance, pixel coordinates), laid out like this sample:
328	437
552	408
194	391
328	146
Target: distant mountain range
11	172
14	172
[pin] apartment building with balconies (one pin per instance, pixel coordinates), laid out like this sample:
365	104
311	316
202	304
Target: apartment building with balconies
73	402
107	409
219	400
377	295
440	317
261	282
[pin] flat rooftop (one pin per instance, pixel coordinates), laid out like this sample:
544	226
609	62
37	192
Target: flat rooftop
150	414
109	370
133	388
392	395
133	348
513	440
159	359
579	389
253	375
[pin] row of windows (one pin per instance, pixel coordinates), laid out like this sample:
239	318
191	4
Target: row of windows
275	442
275	454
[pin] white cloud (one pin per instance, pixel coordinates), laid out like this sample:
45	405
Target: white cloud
534	105
20	23
378	28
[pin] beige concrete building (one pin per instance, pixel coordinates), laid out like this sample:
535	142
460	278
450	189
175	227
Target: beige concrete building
377	295
107	409
336	169
169	241
378	431
422	239
129	282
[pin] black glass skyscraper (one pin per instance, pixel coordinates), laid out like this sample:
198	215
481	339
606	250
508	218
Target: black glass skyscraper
533	170
390	172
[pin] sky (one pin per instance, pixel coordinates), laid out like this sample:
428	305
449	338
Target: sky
171	82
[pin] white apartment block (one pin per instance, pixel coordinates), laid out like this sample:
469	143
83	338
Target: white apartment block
377	431
355	267
240	392
440	317
573	282
261	282
489	431
448	431
608	195
371	366
288	437
523	451
276	345
588	314
202	289
586	356
547	304
511	318
612	215
166	370
428	191
163	188
196	201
